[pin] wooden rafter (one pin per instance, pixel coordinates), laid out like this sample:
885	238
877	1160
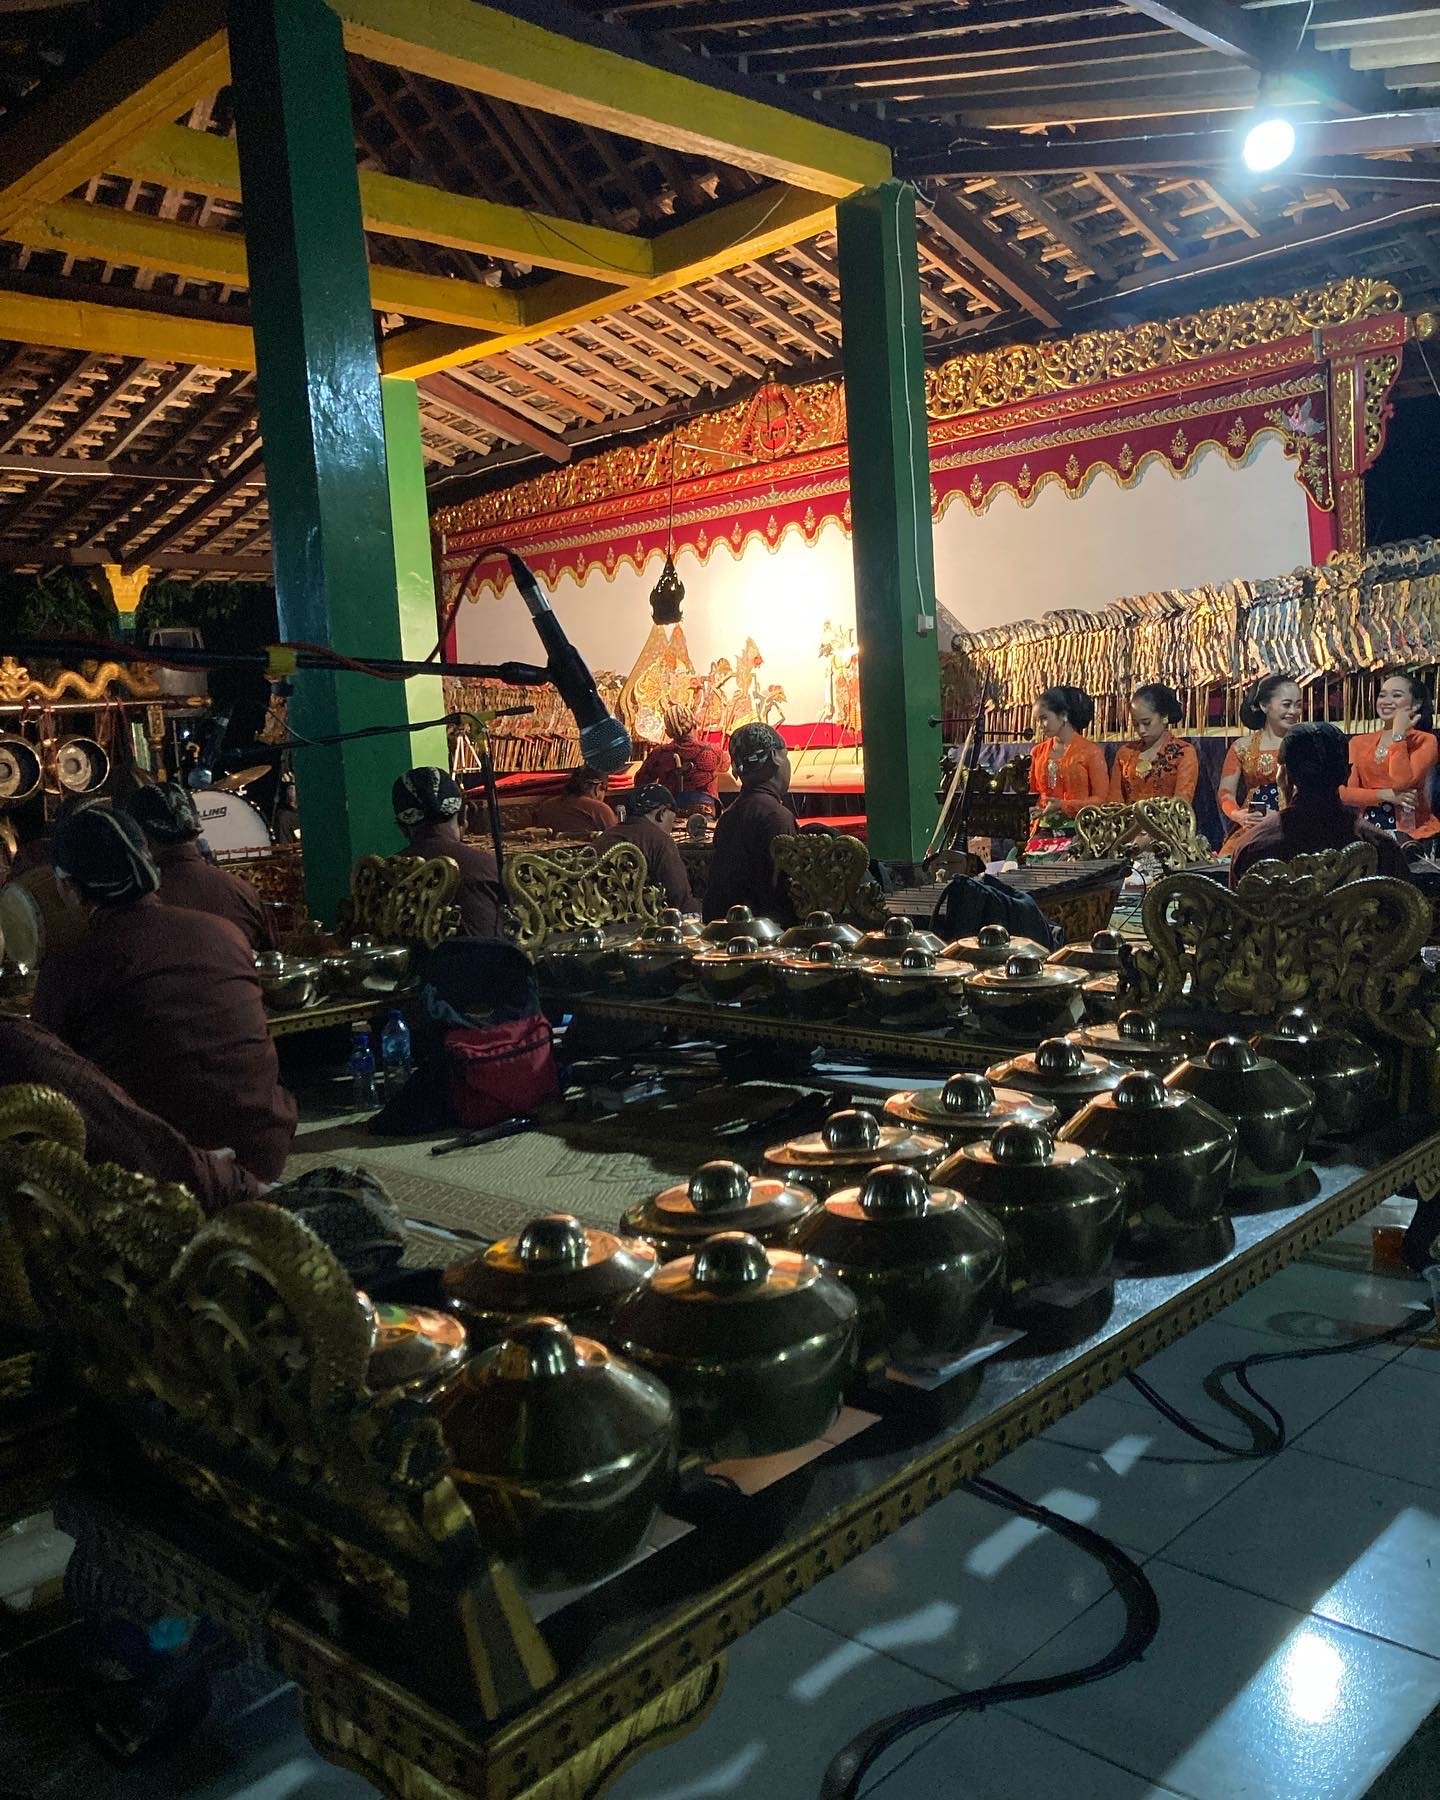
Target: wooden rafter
153	75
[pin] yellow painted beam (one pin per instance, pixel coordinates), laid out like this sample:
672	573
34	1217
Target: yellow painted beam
124	331
490	52
77	131
140	241
758	225
427	215
201	163
135	240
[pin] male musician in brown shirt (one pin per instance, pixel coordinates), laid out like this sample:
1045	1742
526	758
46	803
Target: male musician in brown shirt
579	809
427	806
166	814
117	1130
648	824
741	868
163	999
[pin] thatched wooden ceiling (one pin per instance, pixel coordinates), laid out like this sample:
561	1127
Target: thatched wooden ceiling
1074	162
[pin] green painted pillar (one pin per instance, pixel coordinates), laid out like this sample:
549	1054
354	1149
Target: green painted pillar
414	563
320	418
891	538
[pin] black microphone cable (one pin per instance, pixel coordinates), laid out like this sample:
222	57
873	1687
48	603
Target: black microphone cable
1142	1607
1277	1437
1142	1621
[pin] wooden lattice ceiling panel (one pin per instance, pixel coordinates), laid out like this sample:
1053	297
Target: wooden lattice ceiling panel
1008	247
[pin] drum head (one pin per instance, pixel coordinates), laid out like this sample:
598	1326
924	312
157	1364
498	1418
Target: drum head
22	932
230	825
19	769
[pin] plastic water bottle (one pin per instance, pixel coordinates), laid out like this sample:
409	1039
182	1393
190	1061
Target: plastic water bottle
362	1069
395	1052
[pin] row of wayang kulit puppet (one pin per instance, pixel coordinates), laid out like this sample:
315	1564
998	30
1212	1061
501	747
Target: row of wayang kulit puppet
1349	618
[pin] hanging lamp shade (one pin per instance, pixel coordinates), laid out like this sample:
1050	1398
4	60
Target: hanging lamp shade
668	594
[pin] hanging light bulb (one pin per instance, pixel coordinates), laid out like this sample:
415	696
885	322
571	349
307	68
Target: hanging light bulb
1270	138
668	594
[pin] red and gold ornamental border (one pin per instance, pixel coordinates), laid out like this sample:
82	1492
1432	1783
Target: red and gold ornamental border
1315	369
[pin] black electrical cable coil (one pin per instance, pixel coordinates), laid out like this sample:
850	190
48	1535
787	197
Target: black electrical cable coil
1413	1322
1142	1620
1142	1607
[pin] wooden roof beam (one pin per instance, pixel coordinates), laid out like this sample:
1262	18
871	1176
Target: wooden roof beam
466	402
51	556
1028	196
729	320
761	222
552	390
714	346
243	470
625	352
988	252
1223	26
1250	250
558	61
1145	218
530	357
70	133
781	317
201	163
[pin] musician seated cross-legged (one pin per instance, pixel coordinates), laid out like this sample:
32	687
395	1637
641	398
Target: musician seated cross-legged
580	809
164	999
648	823
685	763
1314	761
742	869
427	805
166	814
117	1129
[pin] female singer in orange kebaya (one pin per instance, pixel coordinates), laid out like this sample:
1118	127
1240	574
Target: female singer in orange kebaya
1250	779
1067	770
1155	764
1390	769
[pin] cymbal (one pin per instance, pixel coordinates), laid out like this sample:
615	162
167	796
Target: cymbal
231	784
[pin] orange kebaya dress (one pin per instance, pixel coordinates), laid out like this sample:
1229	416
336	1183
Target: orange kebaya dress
1171	769
1069	778
1405	768
1259	772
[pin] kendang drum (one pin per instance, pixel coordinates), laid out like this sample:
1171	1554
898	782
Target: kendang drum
19	771
230	825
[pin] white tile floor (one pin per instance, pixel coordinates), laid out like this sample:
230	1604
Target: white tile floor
1299	1646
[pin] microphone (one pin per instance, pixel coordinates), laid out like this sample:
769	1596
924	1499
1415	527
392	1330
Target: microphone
604	741
203	774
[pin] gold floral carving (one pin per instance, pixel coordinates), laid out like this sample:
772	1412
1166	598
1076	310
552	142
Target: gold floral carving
234	1354
1321	931
829	874
575	886
18	685
405	899
1113	828
992	378
776	421
1380	373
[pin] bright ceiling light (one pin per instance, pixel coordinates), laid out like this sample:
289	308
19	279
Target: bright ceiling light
1269	142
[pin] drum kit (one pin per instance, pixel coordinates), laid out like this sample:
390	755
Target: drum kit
230	824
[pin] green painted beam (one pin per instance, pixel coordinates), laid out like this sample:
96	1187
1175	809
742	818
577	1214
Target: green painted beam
414	564
891	536
320	418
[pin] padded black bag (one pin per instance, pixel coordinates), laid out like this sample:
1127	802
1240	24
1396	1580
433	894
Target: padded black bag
970	901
